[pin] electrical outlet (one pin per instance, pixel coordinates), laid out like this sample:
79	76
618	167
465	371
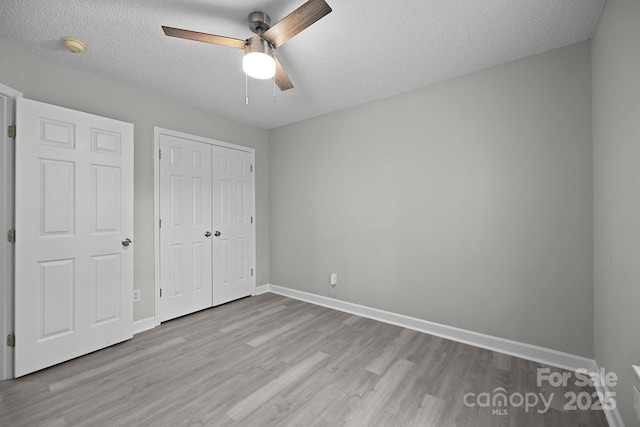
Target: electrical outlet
636	401
136	295
333	280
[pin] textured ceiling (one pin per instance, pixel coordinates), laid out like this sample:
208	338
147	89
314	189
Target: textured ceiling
362	51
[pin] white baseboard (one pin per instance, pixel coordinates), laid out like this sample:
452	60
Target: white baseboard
262	289
143	325
534	353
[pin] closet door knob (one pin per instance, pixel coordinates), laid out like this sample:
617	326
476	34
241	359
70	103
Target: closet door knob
217	234
207	234
126	242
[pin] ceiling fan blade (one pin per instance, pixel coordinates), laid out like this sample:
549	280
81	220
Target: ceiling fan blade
204	37
282	80
296	21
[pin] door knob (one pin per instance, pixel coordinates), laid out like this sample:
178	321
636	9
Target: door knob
207	234
217	234
126	242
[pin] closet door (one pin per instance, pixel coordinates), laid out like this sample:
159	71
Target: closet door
185	229
233	245
206	236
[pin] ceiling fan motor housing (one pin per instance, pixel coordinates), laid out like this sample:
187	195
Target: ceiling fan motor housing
258	44
259	22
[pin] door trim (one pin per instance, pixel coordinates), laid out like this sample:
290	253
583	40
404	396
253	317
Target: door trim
7	185
157	132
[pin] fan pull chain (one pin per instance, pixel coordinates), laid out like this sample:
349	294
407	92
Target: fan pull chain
274	89
246	90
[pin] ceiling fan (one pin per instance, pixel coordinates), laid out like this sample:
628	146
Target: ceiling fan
259	61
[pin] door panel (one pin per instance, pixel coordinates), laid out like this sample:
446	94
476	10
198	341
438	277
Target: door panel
57	197
106	195
105	291
74	206
56	295
233	249
185	250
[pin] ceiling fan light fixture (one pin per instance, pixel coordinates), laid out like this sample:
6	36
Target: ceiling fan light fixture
258	59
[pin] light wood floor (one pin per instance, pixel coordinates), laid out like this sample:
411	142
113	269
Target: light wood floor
274	361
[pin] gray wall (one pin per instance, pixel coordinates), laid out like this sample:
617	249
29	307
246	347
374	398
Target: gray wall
56	85
467	203
616	160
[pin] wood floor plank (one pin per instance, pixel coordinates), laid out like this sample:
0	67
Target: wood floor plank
351	320
253	319
382	392
430	412
115	364
333	402
269	390
268	336
309	399
379	365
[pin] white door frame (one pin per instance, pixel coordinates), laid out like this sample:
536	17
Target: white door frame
157	131
7	185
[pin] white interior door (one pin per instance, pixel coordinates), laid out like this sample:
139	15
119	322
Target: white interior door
74	210
185	231
233	223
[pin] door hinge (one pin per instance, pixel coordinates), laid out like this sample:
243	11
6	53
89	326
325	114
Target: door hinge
251	168
11	236
11	131
159	154
11	340
252	271
160	292
251	220
160	224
